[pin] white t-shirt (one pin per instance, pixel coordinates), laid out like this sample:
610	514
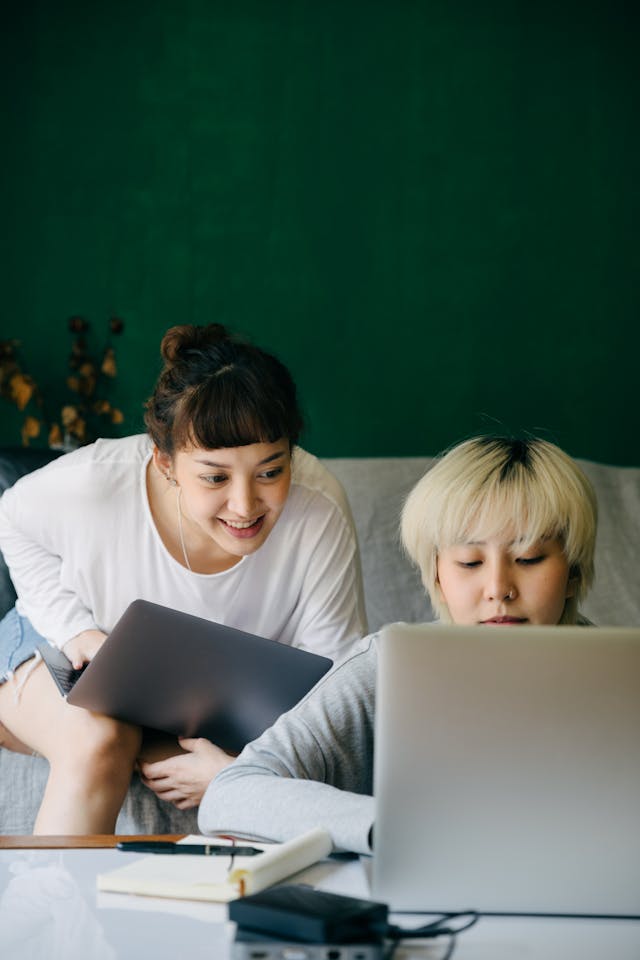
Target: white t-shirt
80	543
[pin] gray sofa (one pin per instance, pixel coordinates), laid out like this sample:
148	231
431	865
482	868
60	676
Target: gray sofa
376	489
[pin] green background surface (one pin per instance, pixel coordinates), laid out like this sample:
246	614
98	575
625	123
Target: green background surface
429	210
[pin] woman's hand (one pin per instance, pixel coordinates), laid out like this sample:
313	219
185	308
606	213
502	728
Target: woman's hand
83	647
182	780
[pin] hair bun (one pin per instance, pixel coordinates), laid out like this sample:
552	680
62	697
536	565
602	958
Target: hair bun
177	341
218	390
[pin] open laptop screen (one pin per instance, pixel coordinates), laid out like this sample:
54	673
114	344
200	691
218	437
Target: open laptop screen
507	769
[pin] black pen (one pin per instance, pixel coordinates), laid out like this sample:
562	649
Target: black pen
202	849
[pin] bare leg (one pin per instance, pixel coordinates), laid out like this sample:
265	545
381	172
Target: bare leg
9	742
91	757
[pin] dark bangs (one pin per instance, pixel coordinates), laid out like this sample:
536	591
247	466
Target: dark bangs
235	408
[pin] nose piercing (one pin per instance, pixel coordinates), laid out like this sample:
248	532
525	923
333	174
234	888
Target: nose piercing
509	595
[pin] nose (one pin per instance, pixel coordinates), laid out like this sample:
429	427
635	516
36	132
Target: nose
242	498
500	584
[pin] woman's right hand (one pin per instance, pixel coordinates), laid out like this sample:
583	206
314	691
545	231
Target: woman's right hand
83	647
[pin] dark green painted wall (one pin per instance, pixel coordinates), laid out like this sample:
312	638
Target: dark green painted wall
429	209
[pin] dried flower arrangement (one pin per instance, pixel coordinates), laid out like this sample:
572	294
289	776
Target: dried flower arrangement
80	420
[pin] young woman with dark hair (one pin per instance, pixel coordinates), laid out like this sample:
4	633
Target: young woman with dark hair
215	512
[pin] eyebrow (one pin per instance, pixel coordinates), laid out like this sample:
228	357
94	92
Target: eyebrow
483	543
506	543
225	466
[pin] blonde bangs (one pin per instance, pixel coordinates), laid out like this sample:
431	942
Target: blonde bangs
513	510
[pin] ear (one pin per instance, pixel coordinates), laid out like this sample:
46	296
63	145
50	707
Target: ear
438	601
427	586
162	462
572	583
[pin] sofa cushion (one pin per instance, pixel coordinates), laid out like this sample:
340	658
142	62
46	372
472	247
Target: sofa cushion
376	489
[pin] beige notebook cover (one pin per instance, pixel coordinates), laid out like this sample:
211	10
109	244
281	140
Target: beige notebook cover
216	878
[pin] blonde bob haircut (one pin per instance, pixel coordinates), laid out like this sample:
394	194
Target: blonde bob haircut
526	490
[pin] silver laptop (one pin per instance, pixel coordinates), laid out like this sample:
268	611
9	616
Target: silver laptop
507	769
170	671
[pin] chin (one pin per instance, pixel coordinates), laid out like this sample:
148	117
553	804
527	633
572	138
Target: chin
243	548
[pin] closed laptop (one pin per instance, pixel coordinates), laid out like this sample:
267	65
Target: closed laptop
170	671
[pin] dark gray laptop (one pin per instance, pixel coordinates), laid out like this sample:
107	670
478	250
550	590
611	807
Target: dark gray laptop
516	786
170	671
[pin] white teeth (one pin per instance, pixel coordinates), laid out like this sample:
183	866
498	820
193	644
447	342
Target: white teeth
239	524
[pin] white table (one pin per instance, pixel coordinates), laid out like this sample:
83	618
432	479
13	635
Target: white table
50	910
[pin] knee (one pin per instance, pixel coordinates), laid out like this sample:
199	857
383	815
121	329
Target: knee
99	744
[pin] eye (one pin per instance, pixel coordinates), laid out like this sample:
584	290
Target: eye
215	479
530	561
271	474
469	564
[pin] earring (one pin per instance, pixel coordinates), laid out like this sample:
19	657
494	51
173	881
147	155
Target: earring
171	480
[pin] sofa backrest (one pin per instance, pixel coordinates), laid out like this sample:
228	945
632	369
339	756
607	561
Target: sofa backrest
377	488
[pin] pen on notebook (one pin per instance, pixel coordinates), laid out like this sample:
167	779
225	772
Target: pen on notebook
201	849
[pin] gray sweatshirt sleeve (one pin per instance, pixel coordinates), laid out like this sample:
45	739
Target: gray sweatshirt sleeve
313	768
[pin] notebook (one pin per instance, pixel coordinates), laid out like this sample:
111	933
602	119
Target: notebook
507	769
170	671
217	879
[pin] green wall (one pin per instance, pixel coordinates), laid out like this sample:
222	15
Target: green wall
429	210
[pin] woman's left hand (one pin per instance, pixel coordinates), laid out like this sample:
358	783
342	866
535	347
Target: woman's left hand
182	780
83	647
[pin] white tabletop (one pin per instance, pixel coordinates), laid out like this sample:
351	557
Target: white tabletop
50	910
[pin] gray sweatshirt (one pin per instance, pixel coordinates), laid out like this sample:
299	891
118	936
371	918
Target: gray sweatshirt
313	768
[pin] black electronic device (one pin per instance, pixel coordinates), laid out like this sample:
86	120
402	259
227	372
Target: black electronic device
301	914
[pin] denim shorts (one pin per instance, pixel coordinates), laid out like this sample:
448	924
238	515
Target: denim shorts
18	643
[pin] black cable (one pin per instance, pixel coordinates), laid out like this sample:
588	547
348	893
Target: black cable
441	927
450	948
434	928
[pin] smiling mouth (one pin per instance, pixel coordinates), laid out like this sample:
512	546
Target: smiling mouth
242	529
503	621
